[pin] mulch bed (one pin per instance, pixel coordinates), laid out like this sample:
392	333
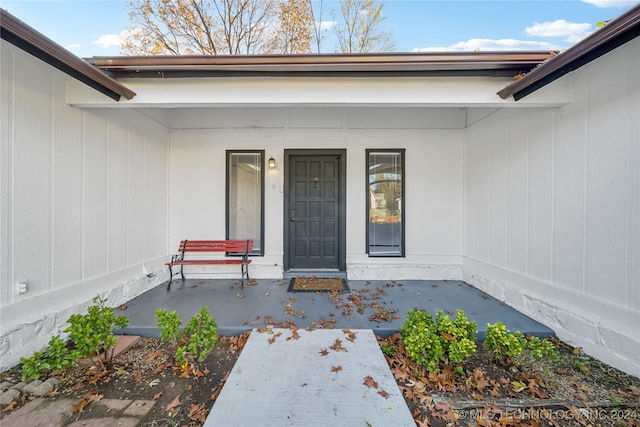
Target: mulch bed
315	284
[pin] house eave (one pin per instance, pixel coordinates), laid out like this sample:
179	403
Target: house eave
494	64
617	32
31	41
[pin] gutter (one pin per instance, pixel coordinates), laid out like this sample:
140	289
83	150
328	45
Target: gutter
614	34
31	41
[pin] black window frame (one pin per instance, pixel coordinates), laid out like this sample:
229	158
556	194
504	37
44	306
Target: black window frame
229	154
402	153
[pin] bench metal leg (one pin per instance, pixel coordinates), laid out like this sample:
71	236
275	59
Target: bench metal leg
170	278
182	272
244	268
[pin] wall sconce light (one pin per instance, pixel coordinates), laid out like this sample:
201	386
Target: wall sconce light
272	163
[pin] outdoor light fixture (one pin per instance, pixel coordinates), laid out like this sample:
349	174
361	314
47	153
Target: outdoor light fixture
272	163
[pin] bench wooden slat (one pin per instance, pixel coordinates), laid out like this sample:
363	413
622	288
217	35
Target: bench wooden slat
239	248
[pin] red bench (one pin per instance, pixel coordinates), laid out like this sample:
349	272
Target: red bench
239	248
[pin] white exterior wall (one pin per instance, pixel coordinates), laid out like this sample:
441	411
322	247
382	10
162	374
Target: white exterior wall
433	179
552	209
83	204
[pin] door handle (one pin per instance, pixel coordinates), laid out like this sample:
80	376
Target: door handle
292	219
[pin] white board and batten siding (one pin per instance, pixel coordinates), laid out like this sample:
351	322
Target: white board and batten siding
433	140
84	203
552	209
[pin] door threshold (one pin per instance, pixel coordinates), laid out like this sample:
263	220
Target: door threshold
306	272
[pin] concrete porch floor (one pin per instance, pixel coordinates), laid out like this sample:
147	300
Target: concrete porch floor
238	310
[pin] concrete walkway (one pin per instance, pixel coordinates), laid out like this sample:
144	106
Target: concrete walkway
286	378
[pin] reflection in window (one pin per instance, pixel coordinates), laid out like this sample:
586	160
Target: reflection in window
245	197
385	202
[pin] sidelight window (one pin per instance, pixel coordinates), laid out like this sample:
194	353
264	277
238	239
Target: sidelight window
245	197
385	202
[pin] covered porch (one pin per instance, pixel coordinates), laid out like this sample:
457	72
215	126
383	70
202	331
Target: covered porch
379	305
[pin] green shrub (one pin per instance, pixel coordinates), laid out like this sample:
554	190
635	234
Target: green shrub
541	348
506	346
169	324
92	333
432	342
198	338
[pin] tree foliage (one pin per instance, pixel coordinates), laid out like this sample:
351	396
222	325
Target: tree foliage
296	24
359	28
237	27
206	27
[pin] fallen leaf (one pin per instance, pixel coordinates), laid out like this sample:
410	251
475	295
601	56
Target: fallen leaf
198	412
174	403
188	387
476	396
78	407
324	352
384	394
447	336
122	306
157	395
336	368
138	378
10	407
370	382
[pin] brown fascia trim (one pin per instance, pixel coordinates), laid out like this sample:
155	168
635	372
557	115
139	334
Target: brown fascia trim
26	38
614	34
456	63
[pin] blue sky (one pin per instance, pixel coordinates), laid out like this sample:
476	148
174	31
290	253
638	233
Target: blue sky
94	27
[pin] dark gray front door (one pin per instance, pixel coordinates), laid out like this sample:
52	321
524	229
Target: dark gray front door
314	210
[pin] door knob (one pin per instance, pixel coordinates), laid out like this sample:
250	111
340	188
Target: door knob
292	219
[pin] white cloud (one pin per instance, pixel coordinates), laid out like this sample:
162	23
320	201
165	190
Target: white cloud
108	40
609	3
113	40
488	45
327	25
558	28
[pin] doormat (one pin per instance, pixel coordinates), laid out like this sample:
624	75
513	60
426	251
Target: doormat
316	284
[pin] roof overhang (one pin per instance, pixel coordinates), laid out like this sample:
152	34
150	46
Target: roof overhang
493	64
26	38
617	32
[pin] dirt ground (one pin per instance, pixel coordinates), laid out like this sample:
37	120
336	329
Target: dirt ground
575	390
183	397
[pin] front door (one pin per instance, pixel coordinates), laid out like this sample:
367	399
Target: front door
315	210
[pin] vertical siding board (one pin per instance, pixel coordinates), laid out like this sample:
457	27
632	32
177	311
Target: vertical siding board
569	190
517	194
95	195
539	221
67	191
32	169
135	198
607	181
150	201
483	191
632	287
497	220
117	193
470	196
7	58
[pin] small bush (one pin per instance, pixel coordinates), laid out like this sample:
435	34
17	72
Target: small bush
198	338
92	333
432	343
506	347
